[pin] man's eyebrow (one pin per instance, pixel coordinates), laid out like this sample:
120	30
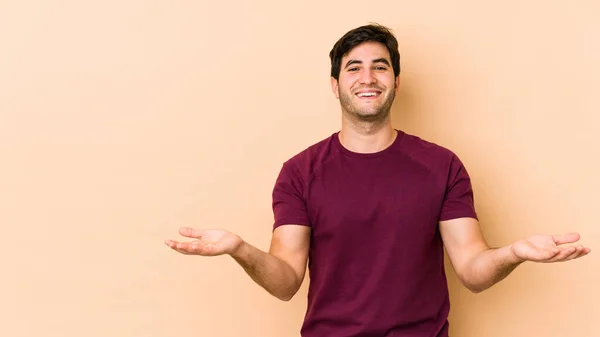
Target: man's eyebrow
379	60
351	62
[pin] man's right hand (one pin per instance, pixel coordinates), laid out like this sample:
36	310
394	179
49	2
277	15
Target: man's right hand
209	242
280	271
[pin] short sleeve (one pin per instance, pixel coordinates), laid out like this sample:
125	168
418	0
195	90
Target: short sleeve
289	205
458	199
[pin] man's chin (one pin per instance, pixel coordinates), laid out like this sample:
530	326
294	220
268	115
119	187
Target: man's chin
371	116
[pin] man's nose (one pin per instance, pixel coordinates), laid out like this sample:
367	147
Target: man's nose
367	77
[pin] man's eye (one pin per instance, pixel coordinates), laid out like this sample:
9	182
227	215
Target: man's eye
380	68
353	69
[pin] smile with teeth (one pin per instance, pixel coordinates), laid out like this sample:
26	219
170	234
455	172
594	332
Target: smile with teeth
368	94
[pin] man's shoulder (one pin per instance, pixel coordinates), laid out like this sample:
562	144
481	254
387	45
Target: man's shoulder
313	156
421	147
428	153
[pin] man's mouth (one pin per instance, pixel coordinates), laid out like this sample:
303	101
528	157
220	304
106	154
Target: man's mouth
368	94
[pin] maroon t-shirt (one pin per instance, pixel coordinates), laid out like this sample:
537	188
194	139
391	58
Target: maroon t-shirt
376	261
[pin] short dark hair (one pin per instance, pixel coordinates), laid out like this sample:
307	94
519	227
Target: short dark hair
372	32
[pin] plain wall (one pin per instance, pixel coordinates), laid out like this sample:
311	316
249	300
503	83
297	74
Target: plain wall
121	121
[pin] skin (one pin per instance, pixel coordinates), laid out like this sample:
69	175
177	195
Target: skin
366	128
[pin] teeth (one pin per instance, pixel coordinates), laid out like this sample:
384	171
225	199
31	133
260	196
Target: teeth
366	94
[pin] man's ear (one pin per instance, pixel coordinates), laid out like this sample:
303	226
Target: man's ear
335	87
397	83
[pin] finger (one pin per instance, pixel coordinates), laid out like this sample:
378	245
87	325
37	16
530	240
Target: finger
183	247
578	251
582	251
191	232
566	238
564	253
178	246
171	243
192	248
544	255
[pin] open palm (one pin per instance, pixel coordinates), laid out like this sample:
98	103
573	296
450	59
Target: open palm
549	248
210	242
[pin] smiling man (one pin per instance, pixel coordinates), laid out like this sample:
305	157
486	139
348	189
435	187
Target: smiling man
368	84
373	207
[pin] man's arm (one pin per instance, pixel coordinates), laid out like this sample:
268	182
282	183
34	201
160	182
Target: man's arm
479	267
279	271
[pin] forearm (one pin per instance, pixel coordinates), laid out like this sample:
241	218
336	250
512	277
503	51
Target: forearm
488	267
270	272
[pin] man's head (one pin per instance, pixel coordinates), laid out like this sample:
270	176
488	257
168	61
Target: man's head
365	69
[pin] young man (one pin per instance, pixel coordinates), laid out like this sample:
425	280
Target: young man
373	207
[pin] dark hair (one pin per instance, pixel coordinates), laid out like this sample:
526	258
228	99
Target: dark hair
372	32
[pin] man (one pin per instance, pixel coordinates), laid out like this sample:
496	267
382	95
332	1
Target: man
373	207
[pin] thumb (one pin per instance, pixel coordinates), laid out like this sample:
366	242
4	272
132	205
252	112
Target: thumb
566	238
190	232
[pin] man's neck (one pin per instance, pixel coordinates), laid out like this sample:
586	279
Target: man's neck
367	137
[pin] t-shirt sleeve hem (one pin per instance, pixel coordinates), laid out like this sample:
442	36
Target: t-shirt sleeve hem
456	215
291	221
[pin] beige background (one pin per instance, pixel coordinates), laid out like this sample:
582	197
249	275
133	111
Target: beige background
122	120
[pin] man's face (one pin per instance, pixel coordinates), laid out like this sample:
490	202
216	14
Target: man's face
366	87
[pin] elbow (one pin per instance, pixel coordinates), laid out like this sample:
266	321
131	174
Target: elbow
285	298
286	294
472	285
475	289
